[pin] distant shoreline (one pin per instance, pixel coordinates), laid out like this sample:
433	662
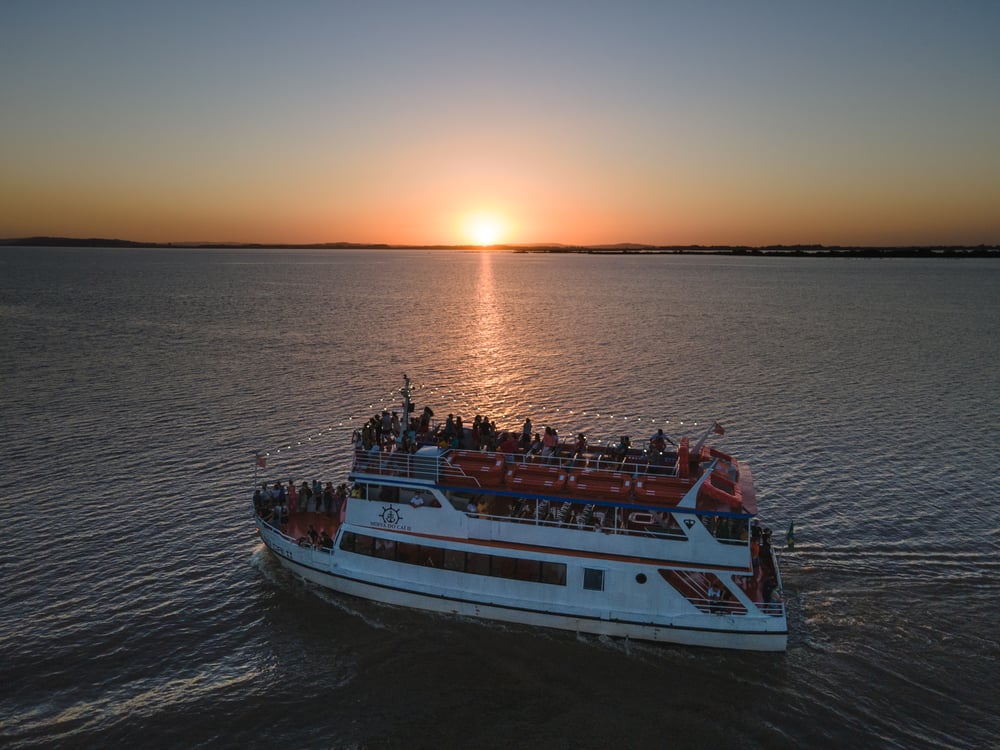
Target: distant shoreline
812	251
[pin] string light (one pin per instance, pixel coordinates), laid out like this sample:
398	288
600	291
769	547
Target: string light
465	402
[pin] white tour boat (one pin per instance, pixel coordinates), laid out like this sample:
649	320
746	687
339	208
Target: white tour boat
657	543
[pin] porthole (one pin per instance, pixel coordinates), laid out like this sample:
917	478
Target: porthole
640	578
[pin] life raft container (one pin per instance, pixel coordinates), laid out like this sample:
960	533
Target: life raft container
661	490
474	469
536	478
599	484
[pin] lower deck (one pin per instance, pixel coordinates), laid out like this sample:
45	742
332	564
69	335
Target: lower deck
706	590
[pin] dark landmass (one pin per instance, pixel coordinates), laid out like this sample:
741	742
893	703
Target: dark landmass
814	251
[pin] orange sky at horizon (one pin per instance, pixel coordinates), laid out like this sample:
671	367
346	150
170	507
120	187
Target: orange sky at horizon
652	125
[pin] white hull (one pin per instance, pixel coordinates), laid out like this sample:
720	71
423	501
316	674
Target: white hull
335	572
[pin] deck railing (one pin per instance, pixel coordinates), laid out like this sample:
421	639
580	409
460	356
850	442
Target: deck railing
436	467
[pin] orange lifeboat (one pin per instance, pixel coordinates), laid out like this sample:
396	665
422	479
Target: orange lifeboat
474	469
722	490
665	490
536	478
599	484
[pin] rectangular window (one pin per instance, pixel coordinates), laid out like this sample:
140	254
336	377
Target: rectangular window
503	567
593	579
363	544
432	557
528	570
454	560
407	553
347	541
479	564
385	548
554	573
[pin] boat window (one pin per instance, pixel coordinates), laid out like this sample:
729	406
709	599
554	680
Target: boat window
460	500
593	579
498	566
454	559
528	570
554	573
389	494
408	553
479	564
363	544
385	548
432	557
503	567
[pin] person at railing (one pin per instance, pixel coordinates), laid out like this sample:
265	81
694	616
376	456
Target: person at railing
536	445
622	449
279	516
328	498
424	425
770	590
581	446
340	498
658	447
526	432
722	528
508	444
449	427
488	433
305	495
714	598
292	496
549	442
385	429
325	540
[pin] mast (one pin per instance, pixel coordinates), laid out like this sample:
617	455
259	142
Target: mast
404	426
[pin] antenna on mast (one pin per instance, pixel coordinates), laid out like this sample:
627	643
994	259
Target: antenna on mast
405	392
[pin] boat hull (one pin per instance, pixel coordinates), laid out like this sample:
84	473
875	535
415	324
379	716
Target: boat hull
694	629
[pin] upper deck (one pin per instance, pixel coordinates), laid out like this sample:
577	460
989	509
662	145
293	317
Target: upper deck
710	483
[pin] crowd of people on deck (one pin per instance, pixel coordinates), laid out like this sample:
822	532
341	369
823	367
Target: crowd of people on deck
275	503
384	432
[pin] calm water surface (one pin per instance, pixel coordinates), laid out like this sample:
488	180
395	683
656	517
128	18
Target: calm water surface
139	606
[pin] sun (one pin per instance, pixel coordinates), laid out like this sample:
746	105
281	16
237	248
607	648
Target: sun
485	229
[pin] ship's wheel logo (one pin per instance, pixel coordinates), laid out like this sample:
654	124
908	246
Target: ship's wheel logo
391	516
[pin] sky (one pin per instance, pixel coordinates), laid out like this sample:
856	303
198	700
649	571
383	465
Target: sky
666	123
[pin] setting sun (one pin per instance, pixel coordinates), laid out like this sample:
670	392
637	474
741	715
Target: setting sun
484	229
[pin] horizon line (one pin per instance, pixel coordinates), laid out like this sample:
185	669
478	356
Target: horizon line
60	241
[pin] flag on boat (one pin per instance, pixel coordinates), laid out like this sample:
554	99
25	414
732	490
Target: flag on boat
718	429
261	461
790	536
